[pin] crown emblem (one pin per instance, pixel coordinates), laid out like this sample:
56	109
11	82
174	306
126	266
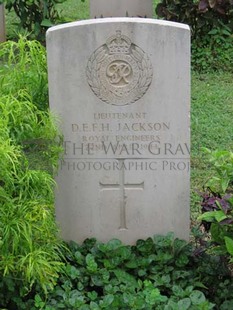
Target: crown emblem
119	72
118	44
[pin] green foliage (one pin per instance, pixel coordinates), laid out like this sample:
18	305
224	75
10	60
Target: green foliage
73	10
217	204
35	16
201	15
214	51
211	28
33	130
30	250
210	92
28	233
221	162
23	67
158	273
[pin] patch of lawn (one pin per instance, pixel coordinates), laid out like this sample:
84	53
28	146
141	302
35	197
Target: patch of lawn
72	10
211	124
212	111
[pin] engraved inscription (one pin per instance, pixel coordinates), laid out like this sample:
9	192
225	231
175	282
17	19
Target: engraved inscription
119	72
122	187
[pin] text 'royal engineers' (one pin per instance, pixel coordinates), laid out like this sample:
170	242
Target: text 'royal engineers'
121	88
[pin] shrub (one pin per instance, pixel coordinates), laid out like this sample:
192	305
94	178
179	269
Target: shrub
30	145
159	273
35	16
23	67
211	24
29	245
214	51
217	204
202	16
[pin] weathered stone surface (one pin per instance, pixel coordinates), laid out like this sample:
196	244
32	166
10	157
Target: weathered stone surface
2	24
121	8
121	88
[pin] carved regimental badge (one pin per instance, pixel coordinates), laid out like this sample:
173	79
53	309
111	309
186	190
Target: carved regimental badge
119	72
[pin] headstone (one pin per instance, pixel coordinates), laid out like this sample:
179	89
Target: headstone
118	8
2	24
121	87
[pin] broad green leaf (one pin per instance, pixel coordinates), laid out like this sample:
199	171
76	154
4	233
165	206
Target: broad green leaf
92	295
213	31
94	306
172	306
220	215
184	304
224	184
181	260
108	299
124	252
132	263
178	291
153	296
74	272
215	231
97	280
197	297
227	305
207	216
229	245
126	278
231	200
113	244
79	258
91	264
212	215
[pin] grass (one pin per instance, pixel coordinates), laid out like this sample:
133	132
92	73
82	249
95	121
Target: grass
72	10
211	108
211	125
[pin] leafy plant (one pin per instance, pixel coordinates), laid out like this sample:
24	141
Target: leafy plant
219	6
202	15
217	218
222	162
23	67
214	50
211	29
217	204
35	16
158	273
28	233
30	145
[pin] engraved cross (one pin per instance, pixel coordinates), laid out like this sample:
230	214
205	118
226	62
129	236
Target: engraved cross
122	187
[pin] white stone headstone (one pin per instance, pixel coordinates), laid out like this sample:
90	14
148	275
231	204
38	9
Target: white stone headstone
2	24
122	89
121	8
